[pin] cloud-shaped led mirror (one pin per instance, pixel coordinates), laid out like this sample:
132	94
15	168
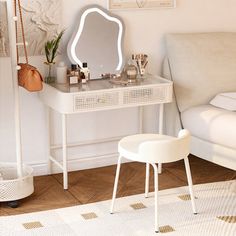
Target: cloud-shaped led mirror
98	40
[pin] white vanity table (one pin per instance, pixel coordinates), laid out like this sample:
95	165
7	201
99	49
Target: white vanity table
98	95
98	40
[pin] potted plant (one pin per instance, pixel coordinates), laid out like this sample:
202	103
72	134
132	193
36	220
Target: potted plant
51	48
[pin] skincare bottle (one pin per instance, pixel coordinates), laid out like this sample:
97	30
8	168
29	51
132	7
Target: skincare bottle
61	73
79	73
73	75
85	70
82	76
131	71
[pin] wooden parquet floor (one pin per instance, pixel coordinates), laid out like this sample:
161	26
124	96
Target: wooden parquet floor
94	185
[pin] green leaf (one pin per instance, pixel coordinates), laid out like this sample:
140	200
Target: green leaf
51	47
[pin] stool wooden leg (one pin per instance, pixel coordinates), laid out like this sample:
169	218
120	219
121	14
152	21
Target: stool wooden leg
190	184
115	184
147	180
156	197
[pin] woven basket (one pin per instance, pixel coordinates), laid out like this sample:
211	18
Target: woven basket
13	188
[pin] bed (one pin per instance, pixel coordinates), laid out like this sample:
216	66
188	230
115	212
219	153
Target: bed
201	66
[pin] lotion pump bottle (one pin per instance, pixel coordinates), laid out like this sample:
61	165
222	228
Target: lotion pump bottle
61	73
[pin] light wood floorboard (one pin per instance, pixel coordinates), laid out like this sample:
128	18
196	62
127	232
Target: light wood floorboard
94	185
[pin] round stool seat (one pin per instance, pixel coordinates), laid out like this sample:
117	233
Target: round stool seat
128	147
154	149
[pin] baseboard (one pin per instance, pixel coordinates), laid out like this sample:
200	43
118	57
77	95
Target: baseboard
79	164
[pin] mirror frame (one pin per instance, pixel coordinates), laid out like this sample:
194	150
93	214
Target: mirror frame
71	47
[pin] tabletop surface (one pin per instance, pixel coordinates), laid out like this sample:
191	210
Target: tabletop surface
101	84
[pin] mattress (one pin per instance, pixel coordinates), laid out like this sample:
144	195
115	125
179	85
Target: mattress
211	124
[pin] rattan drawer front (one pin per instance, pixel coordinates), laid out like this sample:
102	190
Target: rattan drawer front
96	101
146	95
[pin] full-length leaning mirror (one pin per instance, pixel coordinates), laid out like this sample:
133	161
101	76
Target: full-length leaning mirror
97	40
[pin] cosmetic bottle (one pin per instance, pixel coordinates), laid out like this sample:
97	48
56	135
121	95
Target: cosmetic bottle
131	71
79	73
85	70
61	73
82	76
73	75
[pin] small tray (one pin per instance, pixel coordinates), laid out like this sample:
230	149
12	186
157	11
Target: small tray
124	82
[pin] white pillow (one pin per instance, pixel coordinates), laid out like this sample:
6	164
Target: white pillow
225	100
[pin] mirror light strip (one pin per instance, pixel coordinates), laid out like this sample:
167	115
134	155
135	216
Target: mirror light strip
79	32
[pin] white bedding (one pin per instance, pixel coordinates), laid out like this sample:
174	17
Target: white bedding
212	124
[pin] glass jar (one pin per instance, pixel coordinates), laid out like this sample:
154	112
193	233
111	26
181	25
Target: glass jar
131	72
49	73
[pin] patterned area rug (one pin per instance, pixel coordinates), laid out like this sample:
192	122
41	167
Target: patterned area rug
134	216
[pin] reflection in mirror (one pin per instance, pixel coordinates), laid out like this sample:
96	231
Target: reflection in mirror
98	41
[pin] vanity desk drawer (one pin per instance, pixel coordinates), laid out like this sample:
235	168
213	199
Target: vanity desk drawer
94	101
157	94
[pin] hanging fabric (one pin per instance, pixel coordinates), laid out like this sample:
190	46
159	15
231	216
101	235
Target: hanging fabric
28	75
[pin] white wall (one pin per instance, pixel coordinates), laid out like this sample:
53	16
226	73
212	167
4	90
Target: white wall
145	30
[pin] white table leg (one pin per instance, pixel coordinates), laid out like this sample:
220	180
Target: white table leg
64	151
161	115
140	119
48	128
147	165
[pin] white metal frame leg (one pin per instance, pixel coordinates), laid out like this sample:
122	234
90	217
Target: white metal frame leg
47	109
140	119
64	151
147	165
161	117
190	184
115	184
156	197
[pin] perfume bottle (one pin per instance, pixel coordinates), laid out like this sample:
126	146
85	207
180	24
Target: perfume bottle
131	72
82	77
73	75
86	71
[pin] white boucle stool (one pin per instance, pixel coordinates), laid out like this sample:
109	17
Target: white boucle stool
155	149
